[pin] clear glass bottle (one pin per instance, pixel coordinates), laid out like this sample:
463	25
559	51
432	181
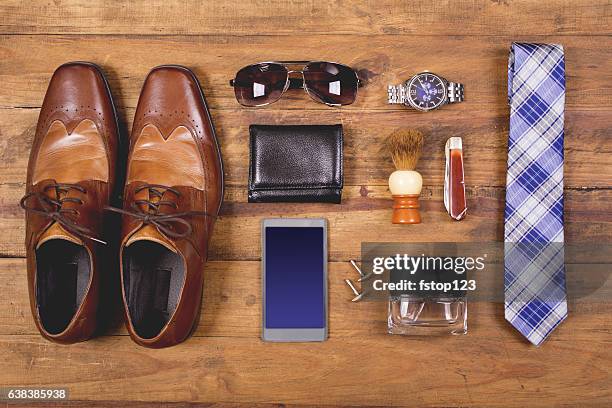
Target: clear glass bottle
416	315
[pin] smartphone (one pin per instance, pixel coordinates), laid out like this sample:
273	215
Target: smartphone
294	279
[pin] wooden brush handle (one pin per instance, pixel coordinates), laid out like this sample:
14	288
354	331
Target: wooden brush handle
406	209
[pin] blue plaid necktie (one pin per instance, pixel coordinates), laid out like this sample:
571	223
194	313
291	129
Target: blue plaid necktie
534	278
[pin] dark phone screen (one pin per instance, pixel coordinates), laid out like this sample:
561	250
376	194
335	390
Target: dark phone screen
295	278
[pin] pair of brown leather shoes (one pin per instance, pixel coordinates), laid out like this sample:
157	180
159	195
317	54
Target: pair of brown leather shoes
173	192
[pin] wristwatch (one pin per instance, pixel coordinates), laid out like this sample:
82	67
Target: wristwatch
426	91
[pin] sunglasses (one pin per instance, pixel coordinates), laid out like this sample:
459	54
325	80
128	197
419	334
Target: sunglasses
326	82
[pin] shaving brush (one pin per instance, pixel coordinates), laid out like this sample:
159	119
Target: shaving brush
405	183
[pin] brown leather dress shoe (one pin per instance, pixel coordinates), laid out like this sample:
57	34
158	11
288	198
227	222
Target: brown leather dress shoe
70	180
173	192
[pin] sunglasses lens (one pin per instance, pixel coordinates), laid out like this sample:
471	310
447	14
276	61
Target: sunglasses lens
331	83
259	84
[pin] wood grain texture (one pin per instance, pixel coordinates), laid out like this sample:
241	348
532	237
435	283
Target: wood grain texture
485	133
225	364
364	215
27	62
444	17
373	370
232	305
241	370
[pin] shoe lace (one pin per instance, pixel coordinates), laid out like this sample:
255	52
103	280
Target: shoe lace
165	223
53	208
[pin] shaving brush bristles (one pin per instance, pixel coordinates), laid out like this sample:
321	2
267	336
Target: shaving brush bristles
405	183
405	147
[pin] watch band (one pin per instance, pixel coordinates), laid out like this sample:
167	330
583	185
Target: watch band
455	92
397	94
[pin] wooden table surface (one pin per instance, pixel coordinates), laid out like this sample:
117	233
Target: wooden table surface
225	363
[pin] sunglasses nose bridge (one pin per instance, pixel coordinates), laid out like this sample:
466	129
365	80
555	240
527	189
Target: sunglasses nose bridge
296	79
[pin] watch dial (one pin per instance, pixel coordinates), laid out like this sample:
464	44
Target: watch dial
427	91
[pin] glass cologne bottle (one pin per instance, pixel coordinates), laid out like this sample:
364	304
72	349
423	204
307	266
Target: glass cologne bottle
427	315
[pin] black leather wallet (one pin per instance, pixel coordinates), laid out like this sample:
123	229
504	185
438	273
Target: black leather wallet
295	163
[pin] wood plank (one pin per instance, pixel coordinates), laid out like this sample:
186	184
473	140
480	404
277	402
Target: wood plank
27	62
364	215
484	133
232	305
225	361
148	404
444	17
375	370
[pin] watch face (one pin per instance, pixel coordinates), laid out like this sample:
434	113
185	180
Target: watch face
426	91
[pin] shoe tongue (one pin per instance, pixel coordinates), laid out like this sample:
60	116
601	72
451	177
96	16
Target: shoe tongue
56	231
149	232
